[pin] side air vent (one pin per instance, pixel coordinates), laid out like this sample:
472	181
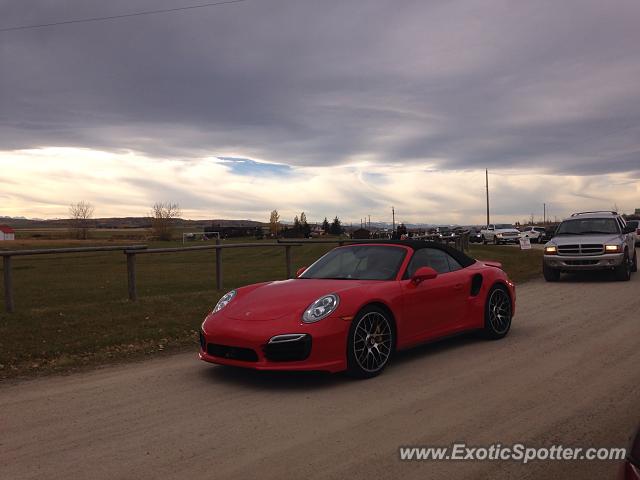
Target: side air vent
476	284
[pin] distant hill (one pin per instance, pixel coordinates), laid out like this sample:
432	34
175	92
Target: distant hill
123	222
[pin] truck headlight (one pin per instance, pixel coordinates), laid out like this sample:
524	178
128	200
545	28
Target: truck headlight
551	250
613	248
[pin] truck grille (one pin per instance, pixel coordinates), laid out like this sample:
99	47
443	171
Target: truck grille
581	249
581	262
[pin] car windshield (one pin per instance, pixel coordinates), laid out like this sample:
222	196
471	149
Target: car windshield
504	225
362	262
586	226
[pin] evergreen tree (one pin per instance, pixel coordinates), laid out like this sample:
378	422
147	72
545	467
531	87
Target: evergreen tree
325	225
304	226
336	227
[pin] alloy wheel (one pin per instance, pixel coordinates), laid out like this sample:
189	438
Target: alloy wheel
499	310
372	342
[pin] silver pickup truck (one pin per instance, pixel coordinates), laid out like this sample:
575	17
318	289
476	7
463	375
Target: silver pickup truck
500	233
591	241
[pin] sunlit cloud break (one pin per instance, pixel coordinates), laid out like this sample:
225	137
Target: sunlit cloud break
127	184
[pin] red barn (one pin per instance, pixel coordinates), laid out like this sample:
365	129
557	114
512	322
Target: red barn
7	233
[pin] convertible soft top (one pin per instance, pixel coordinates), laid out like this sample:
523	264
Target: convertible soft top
459	256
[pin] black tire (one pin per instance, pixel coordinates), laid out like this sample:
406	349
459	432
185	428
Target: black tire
371	342
498	313
484	240
623	271
550	274
634	263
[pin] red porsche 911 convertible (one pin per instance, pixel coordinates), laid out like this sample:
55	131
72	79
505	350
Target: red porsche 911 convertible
357	305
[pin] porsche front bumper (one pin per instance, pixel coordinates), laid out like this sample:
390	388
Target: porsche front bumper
276	345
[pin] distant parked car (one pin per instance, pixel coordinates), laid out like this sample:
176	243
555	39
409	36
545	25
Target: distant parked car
444	232
635	224
475	236
535	234
500	233
630	469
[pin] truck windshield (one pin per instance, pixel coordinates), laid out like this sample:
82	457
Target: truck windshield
586	226
504	226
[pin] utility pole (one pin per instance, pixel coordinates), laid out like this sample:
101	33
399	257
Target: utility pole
544	213
486	172
393	215
369	222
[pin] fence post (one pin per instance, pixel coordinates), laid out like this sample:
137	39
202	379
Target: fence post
131	276
287	251
218	266
8	289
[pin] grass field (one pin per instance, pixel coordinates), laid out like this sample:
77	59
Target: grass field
72	310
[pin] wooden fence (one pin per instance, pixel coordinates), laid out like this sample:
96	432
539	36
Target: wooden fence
7	255
218	247
461	242
131	251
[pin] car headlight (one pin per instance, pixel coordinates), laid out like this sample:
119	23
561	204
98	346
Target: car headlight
224	301
551	250
321	308
613	248
498	234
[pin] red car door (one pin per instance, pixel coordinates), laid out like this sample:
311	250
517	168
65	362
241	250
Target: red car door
435	307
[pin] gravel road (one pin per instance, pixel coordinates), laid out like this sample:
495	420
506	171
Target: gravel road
568	373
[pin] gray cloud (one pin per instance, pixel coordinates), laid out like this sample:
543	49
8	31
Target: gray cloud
548	86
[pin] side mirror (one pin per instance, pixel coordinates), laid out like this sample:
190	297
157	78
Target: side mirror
300	271
422	274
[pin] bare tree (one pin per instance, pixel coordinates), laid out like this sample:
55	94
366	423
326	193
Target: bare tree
273	222
163	217
81	214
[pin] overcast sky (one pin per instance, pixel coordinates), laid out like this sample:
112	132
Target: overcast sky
334	107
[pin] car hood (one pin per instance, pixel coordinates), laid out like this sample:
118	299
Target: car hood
582	239
507	230
275	300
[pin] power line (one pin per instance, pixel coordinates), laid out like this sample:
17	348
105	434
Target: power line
115	17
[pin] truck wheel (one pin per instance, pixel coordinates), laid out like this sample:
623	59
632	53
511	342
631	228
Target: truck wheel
484	240
550	274
623	271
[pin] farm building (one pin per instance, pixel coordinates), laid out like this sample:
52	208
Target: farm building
361	233
7	233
